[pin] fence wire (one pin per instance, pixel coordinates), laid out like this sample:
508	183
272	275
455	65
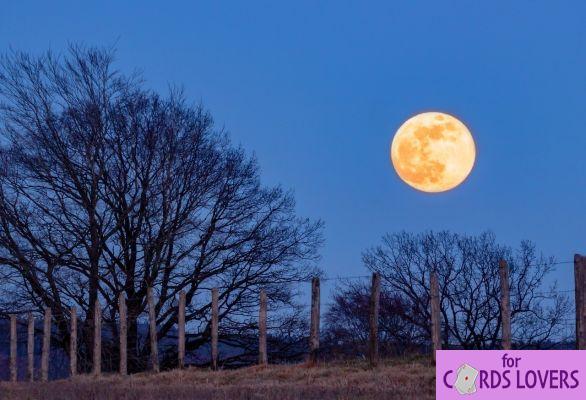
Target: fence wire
287	340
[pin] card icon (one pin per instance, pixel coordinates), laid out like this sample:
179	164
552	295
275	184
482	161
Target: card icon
466	379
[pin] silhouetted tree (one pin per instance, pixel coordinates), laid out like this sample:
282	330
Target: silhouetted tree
108	188
468	272
347	322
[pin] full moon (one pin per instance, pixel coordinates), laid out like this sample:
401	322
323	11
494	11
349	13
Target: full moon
433	152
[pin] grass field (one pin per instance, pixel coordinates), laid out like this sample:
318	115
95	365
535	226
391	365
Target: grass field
393	379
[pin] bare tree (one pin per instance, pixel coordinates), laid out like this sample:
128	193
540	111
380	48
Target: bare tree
467	268
347	322
108	188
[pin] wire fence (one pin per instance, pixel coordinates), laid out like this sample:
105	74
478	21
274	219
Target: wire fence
141	360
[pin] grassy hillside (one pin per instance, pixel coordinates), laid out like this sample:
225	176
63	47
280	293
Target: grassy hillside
394	379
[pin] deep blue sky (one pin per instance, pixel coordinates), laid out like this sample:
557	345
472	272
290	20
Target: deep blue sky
317	91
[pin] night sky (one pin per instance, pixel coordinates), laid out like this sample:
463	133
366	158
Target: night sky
316	92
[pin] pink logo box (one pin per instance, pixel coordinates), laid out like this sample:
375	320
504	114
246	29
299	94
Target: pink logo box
511	374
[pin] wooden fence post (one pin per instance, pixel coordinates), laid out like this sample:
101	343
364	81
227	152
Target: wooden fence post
580	293
123	331
46	345
505	305
97	353
373	319
153	330
314	327
214	329
73	343
30	347
435	314
13	349
181	329
262	329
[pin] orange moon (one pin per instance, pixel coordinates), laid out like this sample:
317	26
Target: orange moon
433	152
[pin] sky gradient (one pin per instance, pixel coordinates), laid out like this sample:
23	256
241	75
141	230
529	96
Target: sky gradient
317	92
